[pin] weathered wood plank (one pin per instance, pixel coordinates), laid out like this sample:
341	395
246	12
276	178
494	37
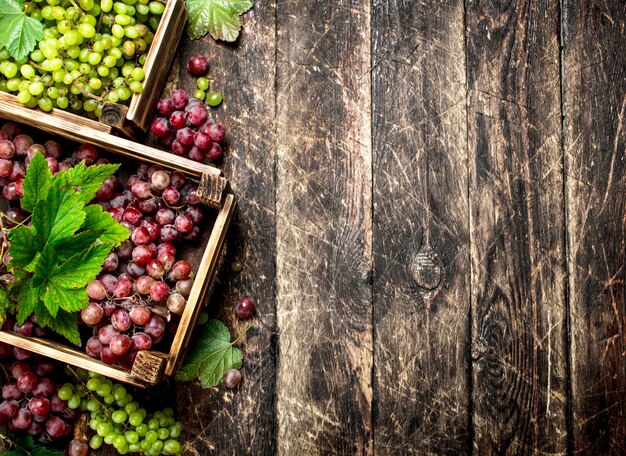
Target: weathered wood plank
517	219
421	238
323	208
595	143
242	421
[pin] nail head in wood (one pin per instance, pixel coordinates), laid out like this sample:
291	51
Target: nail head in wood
426	269
212	189
147	367
113	114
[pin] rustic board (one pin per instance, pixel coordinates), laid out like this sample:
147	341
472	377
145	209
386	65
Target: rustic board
323	207
595	143
517	240
243	421
421	238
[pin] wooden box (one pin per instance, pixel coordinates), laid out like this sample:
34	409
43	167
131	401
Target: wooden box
149	366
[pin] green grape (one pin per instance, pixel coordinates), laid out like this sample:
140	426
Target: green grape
83	405
140	45
46	13
13	84
131	408
115	53
135	419
137	74
95	83
58	13
131	32
157	446
104	428
122	19
109	399
119	416
128	398
74	402
120	442
95	442
109	438
24	85
36	15
10	71
111	97
27	71
93	384
127	69
91	20
124	94
136	86
73	52
214	99
86	4
92	405
175	431
203	84
66	392
31	103
86	30
62	102
156	8
98	111
171	447
128	48
199	94
94	58
142	59
153	424
141	429
145	445
95	11
163	433
24	96
116	41
37	56
84	55
93	423
134	448
151	436
117	31
109	61
142	10
120	8
104	389
106	5
52	92
153	22
98	48
55	64
131	12
3	85
131	436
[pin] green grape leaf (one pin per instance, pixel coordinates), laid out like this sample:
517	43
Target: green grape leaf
65	323
25	245
29	300
212	355
63	286
26	446
86	179
60	215
5	305
36	182
113	232
19	33
220	18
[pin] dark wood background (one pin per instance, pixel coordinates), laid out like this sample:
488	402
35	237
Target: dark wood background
432	222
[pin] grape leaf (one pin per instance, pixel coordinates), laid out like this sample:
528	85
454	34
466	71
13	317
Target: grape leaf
60	215
112	232
25	245
212	355
36	182
220	18
19	33
86	179
26	446
65	324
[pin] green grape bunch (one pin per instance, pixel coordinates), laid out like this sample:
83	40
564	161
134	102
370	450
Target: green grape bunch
92	52
118	420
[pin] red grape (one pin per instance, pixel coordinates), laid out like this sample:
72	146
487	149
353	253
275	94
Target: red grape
155	328
159	291
93	347
244	308
45	387
56	427
180	98
159	127
39	406
106	333
142	341
78	448
22	420
120	344
140	315
178	119
92	314
96	291
8	409
11	391
197	65
120	320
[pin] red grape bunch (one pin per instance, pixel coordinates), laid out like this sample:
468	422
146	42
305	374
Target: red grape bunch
186	127
142	279
30	402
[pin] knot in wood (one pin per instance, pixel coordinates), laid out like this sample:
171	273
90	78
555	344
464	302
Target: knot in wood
426	269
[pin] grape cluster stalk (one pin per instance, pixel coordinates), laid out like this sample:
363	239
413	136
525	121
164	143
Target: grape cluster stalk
92	52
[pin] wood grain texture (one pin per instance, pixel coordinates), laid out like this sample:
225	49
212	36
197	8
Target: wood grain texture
595	144
242	421
323	208
421	238
517	236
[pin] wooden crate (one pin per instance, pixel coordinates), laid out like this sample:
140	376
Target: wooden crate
149	366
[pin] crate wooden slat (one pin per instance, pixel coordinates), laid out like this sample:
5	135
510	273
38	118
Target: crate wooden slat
214	193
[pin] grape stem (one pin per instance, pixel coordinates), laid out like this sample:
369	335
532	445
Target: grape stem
78	8
84	92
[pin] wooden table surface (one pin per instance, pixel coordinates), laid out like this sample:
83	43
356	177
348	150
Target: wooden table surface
432	222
